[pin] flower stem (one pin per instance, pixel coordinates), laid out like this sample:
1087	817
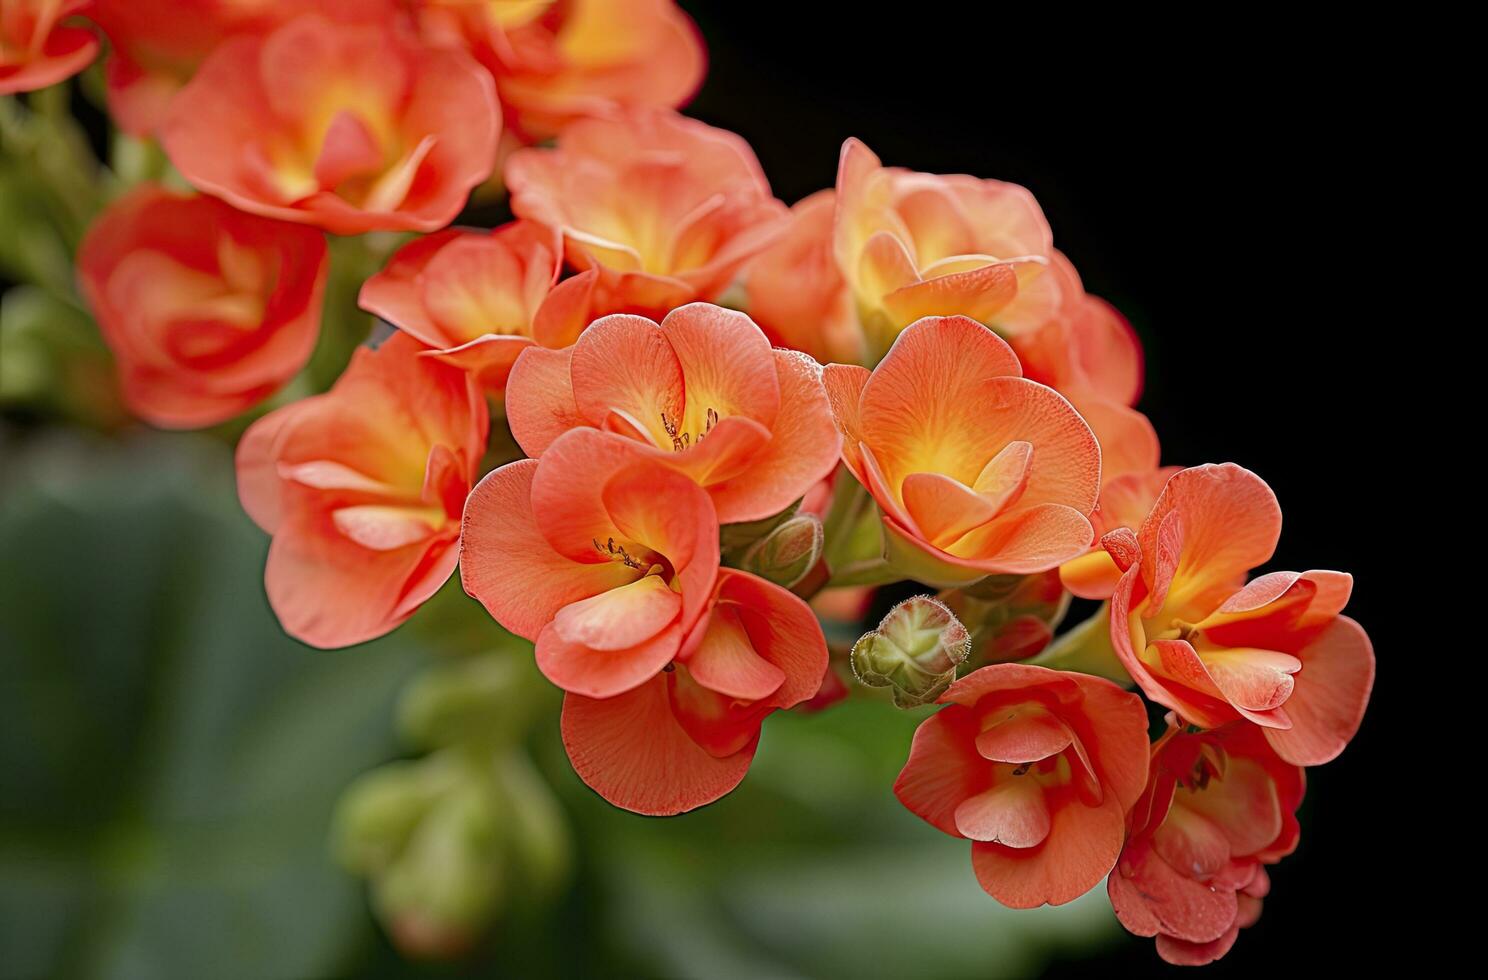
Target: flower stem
1086	648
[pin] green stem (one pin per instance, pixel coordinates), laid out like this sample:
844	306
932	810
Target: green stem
1087	649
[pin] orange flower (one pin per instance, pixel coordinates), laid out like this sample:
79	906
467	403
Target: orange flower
157	45
1037	767
208	310
702	393
797	294
687	736
976	470
35	51
362	489
599	554
1199	640
666	208
1089	353
913	245
1124	502
555	62
1218	807
480	299
350	128
1086	343
608	559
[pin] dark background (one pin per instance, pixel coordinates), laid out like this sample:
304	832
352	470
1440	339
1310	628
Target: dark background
1230	189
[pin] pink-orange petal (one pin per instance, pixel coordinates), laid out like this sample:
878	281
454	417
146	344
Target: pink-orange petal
1025	733
625	363
507	565
943	769
727	364
631	750
1013	812
540	403
621	617
1230	521
1080	849
580	669
844	386
1331	693
803	448
725	660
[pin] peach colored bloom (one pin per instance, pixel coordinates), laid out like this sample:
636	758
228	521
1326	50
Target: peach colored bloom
797	294
608	559
480	298
976	470
687	736
208	310
1037	768
1218	807
556	61
351	128
1089	353
666	208
703	393
157	45
913	245
1200	640
1124	502
362	488
37	49
598	553
1086	343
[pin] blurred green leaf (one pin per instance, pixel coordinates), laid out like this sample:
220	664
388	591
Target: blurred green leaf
168	757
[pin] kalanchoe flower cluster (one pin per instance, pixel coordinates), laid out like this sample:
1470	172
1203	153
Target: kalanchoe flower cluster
914	387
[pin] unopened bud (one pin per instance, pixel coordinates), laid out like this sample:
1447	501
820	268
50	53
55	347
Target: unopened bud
787	553
487	697
1011	617
914	651
377	814
438	897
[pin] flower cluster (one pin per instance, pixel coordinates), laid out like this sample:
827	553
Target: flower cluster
664	425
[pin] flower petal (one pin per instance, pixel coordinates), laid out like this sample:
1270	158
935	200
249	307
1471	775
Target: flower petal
594	673
621	617
1230	522
509	567
803	449
1013	813
630	750
1331	693
1080	849
540	403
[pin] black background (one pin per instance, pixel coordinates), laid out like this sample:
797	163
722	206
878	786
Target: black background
1228	187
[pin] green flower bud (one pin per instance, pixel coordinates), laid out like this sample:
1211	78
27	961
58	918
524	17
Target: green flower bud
488	697
450	879
445	839
787	553
378	813
914	651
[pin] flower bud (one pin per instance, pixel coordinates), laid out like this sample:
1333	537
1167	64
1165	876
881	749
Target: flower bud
449	880
736	539
914	651
444	839
786	554
378	813
1011	617
488	697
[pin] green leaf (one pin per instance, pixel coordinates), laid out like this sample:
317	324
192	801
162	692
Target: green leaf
169	759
